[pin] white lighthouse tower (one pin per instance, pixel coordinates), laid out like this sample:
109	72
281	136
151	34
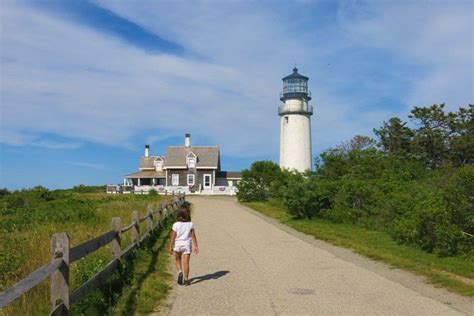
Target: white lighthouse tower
295	123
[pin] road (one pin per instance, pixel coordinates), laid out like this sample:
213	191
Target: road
249	265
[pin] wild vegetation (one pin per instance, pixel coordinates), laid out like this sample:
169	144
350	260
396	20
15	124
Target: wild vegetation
415	183
29	217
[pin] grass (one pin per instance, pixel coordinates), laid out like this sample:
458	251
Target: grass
25	237
453	273
150	278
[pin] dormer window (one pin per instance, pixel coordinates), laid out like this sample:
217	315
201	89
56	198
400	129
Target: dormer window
159	164
191	160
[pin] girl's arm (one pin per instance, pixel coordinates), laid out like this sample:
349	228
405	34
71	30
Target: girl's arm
196	248
172	240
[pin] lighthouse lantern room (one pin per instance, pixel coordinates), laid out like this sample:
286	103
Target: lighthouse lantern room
295	123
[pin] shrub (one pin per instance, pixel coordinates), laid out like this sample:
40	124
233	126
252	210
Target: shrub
4	192
81	188
250	189
257	181
441	219
305	196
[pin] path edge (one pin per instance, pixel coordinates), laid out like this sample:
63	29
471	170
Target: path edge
406	278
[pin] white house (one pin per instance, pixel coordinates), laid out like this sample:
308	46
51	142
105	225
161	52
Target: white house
189	169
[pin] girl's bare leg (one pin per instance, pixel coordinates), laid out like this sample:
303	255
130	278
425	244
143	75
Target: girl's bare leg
178	261
186	265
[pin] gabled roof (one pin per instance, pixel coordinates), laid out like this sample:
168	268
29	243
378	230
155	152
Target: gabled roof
207	156
148	162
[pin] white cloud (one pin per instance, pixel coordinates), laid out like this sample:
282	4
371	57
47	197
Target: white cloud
15	138
62	78
88	165
56	145
436	35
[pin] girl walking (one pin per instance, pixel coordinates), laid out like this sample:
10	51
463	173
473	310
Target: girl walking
182	238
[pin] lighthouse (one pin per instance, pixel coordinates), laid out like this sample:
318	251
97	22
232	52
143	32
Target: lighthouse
295	123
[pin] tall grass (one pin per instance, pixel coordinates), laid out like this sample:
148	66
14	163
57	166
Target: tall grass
29	218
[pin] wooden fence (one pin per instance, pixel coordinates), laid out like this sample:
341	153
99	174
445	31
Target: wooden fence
63	256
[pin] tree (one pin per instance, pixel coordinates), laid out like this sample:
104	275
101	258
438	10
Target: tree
305	196
432	137
395	137
461	124
444	137
257	181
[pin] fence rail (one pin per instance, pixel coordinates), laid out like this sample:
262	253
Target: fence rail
62	256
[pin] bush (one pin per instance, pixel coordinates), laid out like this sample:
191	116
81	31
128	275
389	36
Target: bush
441	219
250	189
81	188
257	181
407	188
305	196
4	192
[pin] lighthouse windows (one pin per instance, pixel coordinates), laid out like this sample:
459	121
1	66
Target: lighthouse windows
287	119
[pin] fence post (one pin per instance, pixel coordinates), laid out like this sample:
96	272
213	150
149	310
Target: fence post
158	214
60	277
161	211
174	207
116	243
149	219
136	227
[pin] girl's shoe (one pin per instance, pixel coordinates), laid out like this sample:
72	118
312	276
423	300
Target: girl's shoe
186	282
180	278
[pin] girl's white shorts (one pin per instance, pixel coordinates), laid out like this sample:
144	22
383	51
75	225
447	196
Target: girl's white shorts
186	249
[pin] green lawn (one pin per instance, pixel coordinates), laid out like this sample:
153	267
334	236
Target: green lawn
454	273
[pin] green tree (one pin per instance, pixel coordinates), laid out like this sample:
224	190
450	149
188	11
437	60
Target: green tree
461	124
334	163
257	181
395	137
432	137
305	196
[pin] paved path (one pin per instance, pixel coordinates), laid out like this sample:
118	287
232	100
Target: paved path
250	266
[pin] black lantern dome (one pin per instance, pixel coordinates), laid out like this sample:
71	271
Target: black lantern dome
295	86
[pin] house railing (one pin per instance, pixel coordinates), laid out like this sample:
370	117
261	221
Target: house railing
63	255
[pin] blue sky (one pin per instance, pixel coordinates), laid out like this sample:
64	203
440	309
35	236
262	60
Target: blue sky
86	84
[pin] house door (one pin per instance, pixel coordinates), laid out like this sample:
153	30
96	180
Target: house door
207	181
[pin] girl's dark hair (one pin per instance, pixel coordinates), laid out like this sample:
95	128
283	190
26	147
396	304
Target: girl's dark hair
184	215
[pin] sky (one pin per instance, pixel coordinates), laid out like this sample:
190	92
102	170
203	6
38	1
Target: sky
84	85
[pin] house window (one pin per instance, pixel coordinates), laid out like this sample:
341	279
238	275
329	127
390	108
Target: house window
158	164
190	179
207	181
175	179
191	162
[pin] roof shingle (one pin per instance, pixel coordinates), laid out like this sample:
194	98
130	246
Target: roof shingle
207	156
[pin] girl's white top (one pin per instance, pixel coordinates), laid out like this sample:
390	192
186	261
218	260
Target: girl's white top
183	232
